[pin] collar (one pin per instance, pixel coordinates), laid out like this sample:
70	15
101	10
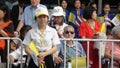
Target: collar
73	45
46	30
36	6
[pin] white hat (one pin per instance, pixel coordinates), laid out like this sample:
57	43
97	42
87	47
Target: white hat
41	11
58	11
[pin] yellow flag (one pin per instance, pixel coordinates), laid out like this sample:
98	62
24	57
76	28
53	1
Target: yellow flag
103	28
81	62
71	17
35	50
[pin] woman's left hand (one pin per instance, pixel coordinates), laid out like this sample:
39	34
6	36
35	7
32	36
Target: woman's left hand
42	54
95	36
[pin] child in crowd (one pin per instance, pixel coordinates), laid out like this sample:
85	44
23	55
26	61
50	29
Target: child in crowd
15	55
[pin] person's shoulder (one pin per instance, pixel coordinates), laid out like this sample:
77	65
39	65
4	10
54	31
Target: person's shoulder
41	5
73	10
15	6
100	15
27	7
83	23
50	28
64	24
76	42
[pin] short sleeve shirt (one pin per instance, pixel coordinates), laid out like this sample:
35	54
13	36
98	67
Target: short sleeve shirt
71	51
50	38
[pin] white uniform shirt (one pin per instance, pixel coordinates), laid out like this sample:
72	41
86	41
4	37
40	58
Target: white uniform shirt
50	38
17	53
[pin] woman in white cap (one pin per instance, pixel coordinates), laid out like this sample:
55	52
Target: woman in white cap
58	20
45	39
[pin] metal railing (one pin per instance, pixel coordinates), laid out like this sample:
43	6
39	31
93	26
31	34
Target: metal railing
8	48
88	41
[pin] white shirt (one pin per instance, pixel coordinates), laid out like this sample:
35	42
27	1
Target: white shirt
50	38
17	53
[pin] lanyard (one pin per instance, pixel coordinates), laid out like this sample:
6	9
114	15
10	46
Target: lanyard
42	36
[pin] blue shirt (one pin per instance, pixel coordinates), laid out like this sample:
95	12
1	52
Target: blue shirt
71	51
28	16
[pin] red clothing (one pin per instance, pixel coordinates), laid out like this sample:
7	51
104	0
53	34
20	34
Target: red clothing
85	30
9	29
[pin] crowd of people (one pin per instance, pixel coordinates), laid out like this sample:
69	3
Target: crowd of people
33	23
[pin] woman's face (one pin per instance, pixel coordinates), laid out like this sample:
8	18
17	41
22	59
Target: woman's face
58	19
42	20
94	15
77	4
64	4
2	14
106	9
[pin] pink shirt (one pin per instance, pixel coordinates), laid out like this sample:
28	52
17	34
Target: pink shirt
116	48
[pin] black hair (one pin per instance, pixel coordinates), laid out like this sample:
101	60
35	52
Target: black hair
5	9
25	28
88	12
62	1
21	1
92	3
106	4
118	4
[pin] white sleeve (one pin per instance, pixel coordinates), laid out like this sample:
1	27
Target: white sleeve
16	54
55	39
27	38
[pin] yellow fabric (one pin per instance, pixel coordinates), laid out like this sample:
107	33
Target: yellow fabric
103	28
42	40
35	50
80	60
118	16
71	17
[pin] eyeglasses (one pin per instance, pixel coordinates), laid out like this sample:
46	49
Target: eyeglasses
67	32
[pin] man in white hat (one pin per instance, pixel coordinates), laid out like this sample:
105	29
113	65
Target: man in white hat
58	20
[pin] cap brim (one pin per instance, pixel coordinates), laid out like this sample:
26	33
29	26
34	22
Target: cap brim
58	14
41	14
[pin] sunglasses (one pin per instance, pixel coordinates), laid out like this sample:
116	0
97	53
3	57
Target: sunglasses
67	32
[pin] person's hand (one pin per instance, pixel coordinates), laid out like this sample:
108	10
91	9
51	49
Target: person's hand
42	54
41	61
95	35
60	32
16	33
58	60
11	59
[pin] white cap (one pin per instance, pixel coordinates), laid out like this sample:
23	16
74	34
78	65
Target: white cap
58	11
41	11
